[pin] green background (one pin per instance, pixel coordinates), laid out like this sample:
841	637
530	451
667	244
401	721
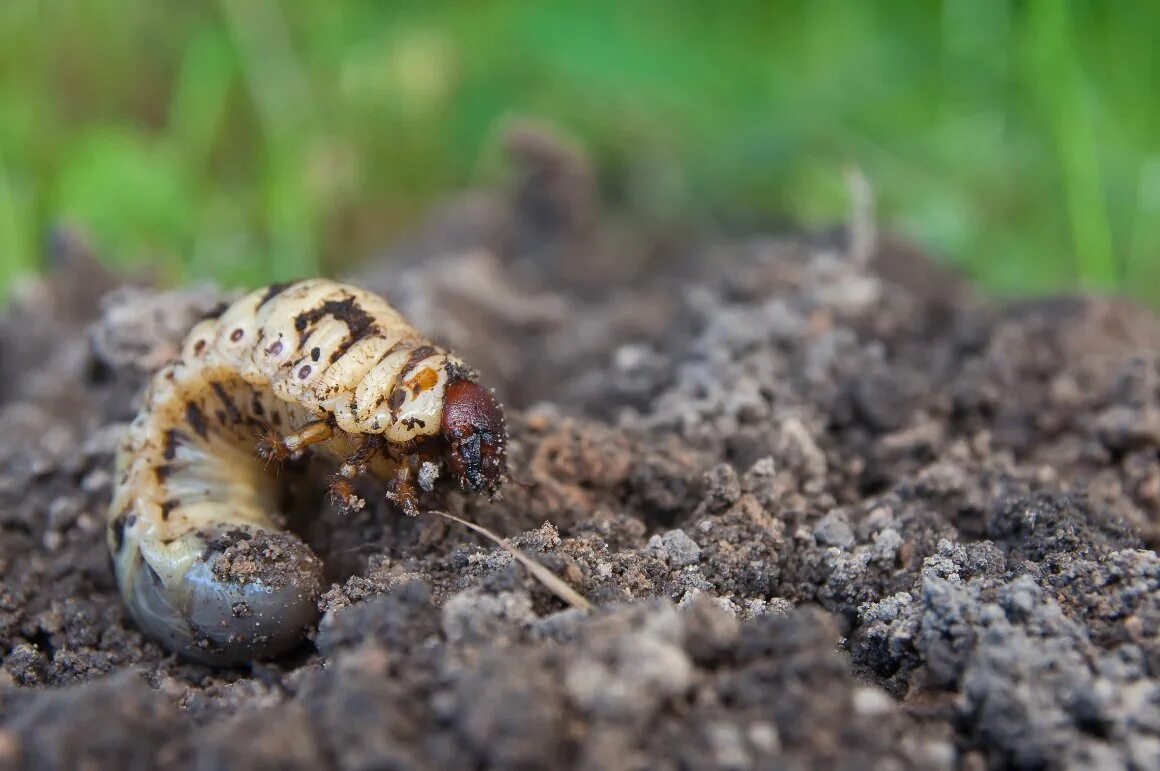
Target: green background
247	140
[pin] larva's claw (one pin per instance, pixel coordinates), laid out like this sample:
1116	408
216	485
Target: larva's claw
278	448
343	495
402	493
342	491
271	448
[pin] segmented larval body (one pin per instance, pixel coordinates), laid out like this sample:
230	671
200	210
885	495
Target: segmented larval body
201	557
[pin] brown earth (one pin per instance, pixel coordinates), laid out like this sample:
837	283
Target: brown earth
835	512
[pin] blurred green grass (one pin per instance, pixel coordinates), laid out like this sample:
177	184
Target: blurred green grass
248	140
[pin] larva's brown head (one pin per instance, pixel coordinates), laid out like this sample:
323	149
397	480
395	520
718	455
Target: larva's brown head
476	435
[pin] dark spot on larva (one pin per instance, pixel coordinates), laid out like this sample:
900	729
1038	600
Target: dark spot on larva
173	437
162	472
236	335
417	355
274	290
196	419
277	418
198	347
275	348
346	310
118	527
396	399
358	322
315	352
304	372
215	312
340	349
167	506
231	409
410	422
256	405
350	340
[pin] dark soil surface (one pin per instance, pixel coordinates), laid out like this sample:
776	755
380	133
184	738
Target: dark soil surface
835	511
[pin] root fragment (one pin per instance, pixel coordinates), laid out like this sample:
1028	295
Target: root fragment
550	580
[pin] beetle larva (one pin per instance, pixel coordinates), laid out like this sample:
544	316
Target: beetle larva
201	560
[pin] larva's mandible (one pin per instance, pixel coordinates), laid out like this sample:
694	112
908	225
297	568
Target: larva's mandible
201	560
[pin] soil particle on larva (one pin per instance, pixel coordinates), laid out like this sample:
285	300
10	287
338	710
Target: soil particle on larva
834	515
273	559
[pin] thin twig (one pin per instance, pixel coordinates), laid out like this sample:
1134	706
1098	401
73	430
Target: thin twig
546	577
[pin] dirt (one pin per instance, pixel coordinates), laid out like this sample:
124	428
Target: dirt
835	509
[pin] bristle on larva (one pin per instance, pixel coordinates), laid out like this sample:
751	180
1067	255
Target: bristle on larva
311	366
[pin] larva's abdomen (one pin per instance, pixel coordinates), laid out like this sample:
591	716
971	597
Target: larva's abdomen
334	350
194	528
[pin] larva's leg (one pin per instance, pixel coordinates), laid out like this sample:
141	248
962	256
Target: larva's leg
276	448
341	485
401	490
